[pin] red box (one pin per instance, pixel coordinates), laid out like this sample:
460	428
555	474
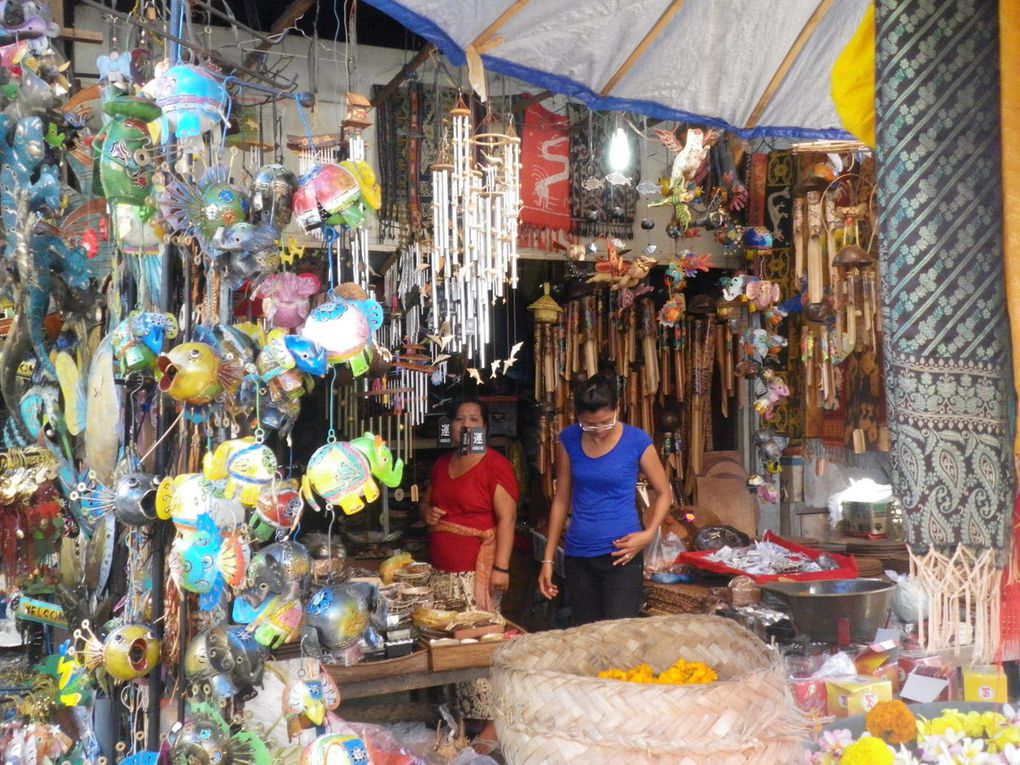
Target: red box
810	695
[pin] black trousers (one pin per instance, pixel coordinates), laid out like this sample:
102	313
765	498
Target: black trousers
596	589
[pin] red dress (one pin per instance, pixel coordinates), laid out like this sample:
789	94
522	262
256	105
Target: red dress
468	501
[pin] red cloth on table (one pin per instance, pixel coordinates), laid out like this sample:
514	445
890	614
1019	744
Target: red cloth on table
467	501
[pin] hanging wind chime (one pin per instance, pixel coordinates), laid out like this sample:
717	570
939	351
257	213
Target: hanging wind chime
474	242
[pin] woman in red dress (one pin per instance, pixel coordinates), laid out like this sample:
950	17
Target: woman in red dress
470	509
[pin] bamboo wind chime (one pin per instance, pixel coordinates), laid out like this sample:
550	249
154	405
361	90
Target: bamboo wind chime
666	374
474	243
842	305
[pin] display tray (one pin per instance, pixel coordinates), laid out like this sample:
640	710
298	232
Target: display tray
416	661
847	567
446	657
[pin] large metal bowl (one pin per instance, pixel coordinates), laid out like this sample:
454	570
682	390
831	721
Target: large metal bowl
818	608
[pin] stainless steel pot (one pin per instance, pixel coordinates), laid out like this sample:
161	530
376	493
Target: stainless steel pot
819	608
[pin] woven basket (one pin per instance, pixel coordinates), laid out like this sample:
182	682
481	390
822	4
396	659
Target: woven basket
551	708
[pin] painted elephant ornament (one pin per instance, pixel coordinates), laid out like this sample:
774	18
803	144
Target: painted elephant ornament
344	473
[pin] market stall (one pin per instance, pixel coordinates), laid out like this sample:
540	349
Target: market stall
294	374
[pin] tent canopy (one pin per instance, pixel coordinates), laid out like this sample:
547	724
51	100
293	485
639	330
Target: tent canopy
751	67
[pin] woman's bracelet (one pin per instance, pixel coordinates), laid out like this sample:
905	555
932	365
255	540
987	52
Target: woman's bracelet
551	563
500	569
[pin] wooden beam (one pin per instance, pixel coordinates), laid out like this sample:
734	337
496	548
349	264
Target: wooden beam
480	42
284	21
787	62
639	51
520	106
82	35
419	59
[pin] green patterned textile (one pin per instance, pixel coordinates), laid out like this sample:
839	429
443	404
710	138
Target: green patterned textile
947	360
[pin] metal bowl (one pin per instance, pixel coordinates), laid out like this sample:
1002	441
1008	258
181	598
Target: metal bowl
818	608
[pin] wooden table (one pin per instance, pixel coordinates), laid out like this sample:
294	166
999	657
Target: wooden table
412	681
406	673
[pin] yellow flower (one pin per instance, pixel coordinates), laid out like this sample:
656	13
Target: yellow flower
867	751
892	722
681	673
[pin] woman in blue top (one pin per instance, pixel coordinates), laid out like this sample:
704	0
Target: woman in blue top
598	462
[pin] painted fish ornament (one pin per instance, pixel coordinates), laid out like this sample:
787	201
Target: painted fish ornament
204	738
246	465
206	560
335	749
127	653
74	684
140	338
343	472
271	196
200	210
277	511
182	498
124	153
286	363
336	195
344	326
229	659
193	373
192	100
312	696
286	297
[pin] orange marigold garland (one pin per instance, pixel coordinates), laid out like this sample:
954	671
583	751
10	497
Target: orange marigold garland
892	722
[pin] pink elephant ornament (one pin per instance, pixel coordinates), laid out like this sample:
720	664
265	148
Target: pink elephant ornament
286	298
762	294
776	393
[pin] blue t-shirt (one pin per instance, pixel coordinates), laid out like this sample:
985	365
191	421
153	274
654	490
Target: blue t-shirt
603	505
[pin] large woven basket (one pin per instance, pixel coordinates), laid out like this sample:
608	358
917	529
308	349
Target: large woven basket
551	708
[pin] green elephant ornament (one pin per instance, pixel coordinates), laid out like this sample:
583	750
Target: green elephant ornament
344	472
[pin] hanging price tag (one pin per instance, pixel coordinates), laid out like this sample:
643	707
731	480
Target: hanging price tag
445	435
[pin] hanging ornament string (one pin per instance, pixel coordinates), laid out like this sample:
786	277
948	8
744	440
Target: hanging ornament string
331	434
330	239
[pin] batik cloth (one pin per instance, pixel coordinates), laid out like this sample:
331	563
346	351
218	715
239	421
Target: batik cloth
947	359
545	170
606	209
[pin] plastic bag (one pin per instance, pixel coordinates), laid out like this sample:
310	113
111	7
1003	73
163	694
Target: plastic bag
383	745
662	553
470	757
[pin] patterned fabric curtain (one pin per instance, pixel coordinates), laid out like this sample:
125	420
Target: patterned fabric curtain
947	361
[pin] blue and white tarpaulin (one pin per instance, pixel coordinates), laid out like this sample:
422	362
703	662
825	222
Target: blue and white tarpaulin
709	61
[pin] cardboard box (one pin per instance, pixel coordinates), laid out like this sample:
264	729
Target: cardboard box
985	684
856	695
929	666
811	695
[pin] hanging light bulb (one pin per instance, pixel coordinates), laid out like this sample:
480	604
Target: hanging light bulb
619	151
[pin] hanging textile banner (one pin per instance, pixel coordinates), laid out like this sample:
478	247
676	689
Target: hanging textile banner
599	207
545	171
947	361
947	365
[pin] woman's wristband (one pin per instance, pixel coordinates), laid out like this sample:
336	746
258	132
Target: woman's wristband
500	569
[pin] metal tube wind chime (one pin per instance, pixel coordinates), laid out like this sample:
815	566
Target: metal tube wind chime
354	125
474	241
